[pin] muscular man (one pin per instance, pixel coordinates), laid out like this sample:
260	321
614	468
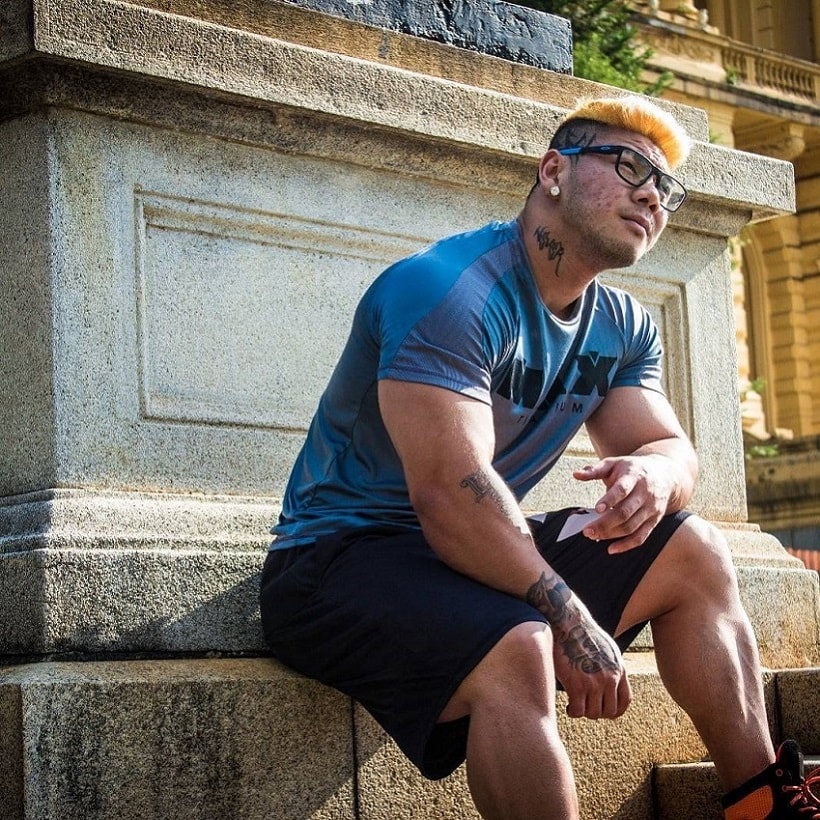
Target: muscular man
404	572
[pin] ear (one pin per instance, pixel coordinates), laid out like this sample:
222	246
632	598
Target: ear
549	168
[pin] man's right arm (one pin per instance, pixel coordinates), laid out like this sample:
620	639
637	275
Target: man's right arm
471	519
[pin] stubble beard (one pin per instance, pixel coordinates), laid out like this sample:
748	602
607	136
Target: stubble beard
600	249
607	252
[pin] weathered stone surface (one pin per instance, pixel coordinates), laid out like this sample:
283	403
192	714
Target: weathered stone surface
15	31
797	691
201	739
198	381
242	738
612	760
181	252
685	791
784	608
84	573
194	195
500	29
265	730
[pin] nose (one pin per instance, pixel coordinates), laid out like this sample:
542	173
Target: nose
648	192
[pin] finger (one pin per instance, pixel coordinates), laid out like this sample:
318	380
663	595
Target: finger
622	522
633	540
582	702
616	495
610	702
605	701
577	706
624	694
590	472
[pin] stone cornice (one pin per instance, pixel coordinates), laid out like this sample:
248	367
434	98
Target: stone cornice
74	44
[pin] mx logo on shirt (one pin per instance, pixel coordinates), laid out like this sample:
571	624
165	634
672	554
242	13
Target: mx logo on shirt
524	385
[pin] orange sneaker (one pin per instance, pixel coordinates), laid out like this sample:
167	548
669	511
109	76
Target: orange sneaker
779	792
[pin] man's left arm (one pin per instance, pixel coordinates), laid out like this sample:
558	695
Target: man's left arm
647	464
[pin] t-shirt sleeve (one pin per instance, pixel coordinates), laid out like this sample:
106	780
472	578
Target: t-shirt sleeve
642	362
431	329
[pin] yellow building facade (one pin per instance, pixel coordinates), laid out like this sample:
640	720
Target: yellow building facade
753	66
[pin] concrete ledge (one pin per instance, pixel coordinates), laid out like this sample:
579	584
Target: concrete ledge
85	571
612	760
155	740
204	51
74	602
783	605
692	790
248	738
798	708
76	519
687	790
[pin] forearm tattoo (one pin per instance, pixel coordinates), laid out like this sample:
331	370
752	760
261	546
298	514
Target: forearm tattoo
553	247
481	485
484	484
550	596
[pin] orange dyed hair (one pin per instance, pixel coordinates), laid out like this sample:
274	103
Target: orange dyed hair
640	115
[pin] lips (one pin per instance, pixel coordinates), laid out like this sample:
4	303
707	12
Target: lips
642	221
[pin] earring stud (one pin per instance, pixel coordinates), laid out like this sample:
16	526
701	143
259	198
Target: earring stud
555	190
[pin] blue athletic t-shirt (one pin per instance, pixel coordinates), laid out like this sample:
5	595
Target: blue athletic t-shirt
463	314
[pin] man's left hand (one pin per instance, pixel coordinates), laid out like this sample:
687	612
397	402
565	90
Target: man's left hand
638	492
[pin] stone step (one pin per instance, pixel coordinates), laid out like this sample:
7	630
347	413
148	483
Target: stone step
686	790
612	760
247	738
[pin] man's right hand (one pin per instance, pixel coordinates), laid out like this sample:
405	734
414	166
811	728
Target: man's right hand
589	665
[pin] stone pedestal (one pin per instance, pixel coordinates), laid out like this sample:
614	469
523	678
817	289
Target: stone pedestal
194	196
166	739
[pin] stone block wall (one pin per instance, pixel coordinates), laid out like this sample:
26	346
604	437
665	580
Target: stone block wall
194	196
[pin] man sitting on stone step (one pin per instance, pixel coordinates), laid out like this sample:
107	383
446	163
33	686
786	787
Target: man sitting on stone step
404	572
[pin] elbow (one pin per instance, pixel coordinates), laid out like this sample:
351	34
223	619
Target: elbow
430	504
443	530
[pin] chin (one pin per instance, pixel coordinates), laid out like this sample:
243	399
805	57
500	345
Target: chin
611	253
627	257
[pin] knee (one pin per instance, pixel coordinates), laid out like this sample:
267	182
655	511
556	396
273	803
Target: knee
705	559
519	668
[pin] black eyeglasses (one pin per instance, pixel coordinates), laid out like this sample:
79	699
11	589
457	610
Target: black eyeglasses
634	168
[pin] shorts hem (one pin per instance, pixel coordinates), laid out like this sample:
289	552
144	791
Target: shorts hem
432	772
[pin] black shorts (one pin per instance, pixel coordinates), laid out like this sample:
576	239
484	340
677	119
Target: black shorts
376	614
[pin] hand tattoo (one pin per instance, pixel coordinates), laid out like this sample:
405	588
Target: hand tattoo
553	247
584	654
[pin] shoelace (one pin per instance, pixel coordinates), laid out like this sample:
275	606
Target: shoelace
804	798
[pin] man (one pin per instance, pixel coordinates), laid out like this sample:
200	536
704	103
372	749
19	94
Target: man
404	572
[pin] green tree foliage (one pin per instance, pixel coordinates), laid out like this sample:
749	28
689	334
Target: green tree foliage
604	47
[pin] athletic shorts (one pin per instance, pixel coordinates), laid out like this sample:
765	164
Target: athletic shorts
374	613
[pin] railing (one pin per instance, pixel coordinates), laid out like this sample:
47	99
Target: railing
769	70
685	33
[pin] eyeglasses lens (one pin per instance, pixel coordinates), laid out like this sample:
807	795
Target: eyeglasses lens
636	169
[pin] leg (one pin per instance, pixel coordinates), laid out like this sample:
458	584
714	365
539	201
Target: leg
517	767
705	648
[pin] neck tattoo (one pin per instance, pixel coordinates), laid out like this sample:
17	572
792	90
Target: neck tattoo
553	247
